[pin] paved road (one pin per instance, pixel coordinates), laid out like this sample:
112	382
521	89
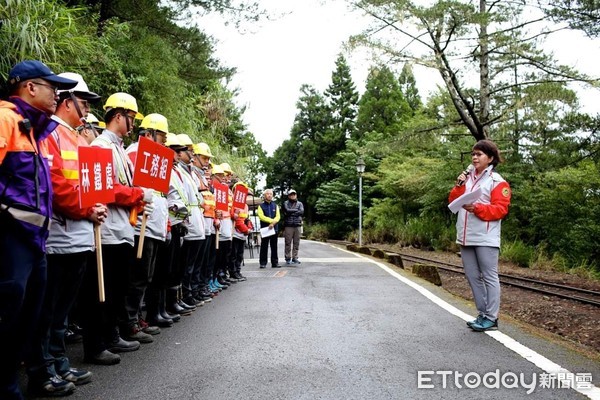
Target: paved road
337	327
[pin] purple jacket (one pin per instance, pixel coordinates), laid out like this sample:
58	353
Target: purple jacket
25	186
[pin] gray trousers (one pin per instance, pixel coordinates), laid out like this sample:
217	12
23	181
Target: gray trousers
291	235
481	268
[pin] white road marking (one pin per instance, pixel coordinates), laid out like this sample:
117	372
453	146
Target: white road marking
315	260
530	355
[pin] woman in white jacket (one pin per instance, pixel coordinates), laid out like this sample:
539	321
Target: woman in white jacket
478	231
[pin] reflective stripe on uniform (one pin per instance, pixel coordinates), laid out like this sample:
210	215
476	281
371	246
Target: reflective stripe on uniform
25	216
70	174
68	154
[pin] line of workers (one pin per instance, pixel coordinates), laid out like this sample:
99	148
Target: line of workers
48	265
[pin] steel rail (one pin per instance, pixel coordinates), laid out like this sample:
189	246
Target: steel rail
456	268
442	265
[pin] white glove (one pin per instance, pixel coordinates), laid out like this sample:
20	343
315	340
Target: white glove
148	195
148	209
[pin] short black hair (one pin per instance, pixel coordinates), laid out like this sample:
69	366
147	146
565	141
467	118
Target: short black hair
490	149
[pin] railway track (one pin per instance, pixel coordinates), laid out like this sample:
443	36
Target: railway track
581	295
547	288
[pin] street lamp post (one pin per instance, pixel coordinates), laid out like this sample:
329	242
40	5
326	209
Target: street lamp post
360	168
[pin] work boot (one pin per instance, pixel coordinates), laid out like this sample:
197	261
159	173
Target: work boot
184	304
103	358
241	277
147	328
173	306
134	333
120	345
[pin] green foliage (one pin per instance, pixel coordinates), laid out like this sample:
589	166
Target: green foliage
316	232
517	252
343	102
408	86
42	30
564	210
167	65
579	14
382	108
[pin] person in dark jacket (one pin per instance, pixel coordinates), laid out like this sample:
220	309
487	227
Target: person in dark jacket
268	213
25	210
293	210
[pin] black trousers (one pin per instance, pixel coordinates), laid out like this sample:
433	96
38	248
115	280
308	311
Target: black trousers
237	254
264	249
22	285
100	321
208	260
171	258
190	251
223	257
140	276
48	351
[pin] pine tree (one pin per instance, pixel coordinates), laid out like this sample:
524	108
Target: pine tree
408	86
382	108
343	102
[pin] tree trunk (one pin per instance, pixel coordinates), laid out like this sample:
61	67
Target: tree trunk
484	73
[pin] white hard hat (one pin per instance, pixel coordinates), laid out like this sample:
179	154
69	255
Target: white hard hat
80	90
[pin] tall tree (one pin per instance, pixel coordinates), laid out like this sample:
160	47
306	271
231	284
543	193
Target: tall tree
457	38
579	14
343	102
303	161
408	86
382	107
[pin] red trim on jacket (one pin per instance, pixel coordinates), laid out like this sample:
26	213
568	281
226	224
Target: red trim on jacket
499	202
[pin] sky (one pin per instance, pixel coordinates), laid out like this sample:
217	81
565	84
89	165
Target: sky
299	46
278	56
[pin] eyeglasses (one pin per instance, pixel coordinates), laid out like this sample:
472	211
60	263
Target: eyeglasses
84	104
477	154
52	87
131	117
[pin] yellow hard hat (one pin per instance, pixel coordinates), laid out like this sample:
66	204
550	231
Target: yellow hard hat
227	168
157	122
217	169
172	140
185	140
202	149
122	100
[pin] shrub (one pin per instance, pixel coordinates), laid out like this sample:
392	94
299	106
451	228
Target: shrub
517	252
316	232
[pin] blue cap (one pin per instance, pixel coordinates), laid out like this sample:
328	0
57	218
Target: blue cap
30	69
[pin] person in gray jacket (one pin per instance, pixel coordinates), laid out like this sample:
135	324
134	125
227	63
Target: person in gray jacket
293	210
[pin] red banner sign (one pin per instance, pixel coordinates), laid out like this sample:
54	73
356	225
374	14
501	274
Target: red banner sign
221	196
96	176
239	196
153	165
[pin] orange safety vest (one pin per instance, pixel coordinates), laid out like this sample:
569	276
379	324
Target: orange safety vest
68	141
210	203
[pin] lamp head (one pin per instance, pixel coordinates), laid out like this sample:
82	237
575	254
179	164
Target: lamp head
360	166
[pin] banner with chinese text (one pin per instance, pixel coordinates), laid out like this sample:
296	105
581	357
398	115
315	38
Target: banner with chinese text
96	176
153	165
221	196
239	196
